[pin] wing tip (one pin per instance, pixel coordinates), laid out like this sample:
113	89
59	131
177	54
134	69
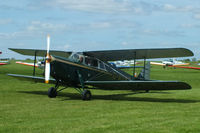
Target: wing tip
188	52
186	86
10	48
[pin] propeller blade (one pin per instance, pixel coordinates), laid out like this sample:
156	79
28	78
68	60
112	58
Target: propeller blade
48	59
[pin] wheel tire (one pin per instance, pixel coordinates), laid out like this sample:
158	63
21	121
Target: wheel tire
86	95
52	93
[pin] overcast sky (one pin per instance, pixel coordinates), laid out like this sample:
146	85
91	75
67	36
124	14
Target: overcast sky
78	25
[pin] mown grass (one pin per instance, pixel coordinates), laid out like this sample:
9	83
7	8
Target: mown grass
25	107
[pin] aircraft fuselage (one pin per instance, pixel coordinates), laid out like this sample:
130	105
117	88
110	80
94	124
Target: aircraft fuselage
69	70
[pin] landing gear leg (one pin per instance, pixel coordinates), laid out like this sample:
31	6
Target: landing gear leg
86	94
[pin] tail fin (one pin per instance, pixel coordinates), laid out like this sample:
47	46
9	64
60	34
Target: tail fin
145	73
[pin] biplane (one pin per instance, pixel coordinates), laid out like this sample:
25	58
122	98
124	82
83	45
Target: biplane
91	70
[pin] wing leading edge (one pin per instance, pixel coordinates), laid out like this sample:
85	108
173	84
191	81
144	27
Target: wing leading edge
42	53
129	54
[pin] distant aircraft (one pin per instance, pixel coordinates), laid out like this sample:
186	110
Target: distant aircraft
175	64
91	70
3	61
171	62
125	64
39	64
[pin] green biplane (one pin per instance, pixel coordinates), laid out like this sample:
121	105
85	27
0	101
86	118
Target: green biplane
91	69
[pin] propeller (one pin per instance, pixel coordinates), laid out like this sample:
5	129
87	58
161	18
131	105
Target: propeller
48	60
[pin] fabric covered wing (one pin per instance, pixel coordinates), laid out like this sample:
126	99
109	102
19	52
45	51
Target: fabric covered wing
32	78
140	85
129	54
41	53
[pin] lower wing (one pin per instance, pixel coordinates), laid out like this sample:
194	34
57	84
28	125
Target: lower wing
140	85
121	85
32	78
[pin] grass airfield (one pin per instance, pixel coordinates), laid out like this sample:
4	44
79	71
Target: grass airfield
25	106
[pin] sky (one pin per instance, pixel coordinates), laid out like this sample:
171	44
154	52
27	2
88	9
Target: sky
84	25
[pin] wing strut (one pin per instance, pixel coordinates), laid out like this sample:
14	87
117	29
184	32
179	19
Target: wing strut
34	63
144	66
134	64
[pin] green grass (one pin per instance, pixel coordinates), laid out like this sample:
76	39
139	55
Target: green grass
25	107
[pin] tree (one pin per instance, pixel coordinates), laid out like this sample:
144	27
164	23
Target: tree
187	60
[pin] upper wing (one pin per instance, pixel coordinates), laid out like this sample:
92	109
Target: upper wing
113	55
128	54
39	52
140	85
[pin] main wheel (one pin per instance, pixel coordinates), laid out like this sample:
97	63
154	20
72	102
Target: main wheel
86	95
52	92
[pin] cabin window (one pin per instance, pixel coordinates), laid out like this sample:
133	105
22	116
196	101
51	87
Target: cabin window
91	62
108	68
75	57
101	65
87	61
94	63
